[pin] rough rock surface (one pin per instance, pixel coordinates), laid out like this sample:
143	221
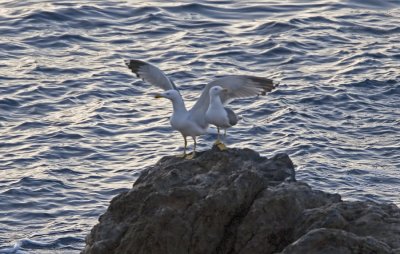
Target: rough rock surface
238	202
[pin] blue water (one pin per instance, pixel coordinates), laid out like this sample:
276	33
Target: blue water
76	126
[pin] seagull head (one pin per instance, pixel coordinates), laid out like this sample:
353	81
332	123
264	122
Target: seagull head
170	94
216	90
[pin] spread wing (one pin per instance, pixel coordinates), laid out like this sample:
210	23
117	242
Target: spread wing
151	74
237	86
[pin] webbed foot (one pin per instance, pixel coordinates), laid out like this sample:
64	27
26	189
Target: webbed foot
221	146
191	156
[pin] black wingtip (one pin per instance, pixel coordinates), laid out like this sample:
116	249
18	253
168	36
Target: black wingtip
266	84
274	86
134	65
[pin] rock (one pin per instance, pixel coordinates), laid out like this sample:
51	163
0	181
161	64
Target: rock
333	241
236	201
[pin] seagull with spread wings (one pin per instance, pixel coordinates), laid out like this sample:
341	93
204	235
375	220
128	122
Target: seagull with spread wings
193	123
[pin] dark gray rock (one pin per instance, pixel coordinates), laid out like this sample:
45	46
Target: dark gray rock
238	202
334	241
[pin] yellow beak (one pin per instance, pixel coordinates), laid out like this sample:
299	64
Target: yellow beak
157	96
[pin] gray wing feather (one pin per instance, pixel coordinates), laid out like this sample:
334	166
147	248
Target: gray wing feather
231	116
243	87
173	84
238	86
151	74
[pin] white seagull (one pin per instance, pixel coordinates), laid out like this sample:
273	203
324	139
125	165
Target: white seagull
193	123
219	115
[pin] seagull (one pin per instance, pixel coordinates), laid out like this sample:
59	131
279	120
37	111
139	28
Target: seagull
219	115
192	122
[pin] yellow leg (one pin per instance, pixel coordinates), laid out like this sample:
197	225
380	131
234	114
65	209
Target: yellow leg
194	150
221	146
218	141
184	149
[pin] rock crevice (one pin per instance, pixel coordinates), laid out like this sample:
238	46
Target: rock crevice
236	201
